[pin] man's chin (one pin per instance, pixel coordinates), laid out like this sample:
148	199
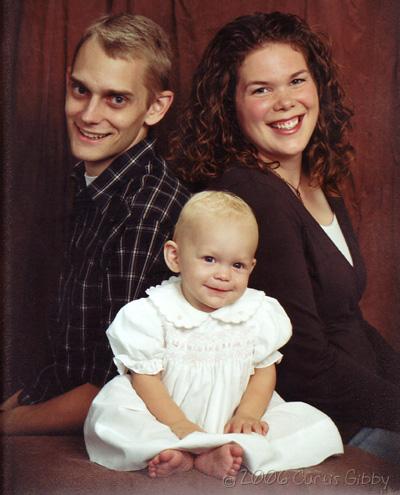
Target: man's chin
87	155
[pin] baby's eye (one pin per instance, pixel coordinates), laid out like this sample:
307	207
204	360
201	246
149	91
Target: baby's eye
238	265
209	259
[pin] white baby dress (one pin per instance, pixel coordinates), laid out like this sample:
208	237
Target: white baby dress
206	360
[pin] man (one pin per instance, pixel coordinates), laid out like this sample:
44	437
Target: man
126	205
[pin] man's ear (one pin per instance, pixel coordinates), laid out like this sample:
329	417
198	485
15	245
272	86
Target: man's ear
68	74
159	107
171	256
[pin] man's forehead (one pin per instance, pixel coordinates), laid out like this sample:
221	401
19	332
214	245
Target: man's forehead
94	44
93	66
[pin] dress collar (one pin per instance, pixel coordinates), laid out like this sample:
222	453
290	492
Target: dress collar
170	302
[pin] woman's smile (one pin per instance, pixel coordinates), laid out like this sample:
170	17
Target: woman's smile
277	102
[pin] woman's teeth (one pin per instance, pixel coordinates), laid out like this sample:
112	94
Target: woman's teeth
287	125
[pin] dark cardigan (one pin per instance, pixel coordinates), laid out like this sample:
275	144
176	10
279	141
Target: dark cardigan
335	360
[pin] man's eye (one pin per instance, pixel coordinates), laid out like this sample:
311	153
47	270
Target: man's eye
118	100
78	89
209	259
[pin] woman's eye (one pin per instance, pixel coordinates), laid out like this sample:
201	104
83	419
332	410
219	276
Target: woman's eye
209	259
260	91
297	81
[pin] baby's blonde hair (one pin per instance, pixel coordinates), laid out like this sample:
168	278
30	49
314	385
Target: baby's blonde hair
215	203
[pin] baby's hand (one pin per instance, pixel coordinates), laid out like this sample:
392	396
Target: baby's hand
246	424
184	427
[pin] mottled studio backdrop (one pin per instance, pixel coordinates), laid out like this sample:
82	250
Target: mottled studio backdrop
38	38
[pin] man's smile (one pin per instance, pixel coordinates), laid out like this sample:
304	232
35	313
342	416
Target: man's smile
93	136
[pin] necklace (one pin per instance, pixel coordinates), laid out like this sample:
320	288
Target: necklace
293	188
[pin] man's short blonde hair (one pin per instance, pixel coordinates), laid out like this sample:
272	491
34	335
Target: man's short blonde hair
134	37
220	204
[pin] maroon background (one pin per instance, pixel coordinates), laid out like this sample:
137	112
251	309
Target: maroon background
38	40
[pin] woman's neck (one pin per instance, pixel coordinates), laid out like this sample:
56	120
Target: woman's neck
291	169
291	173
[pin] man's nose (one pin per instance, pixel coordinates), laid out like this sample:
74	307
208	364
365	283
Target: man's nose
91	114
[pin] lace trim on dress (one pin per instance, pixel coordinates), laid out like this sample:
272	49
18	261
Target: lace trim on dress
216	351
170	302
124	363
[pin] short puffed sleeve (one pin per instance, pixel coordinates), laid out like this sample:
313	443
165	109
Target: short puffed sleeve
137	339
273	331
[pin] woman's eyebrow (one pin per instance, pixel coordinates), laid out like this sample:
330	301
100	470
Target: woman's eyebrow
292	76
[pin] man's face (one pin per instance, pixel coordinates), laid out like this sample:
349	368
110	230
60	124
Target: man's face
106	106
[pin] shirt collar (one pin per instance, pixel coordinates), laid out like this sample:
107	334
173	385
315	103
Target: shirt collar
126	166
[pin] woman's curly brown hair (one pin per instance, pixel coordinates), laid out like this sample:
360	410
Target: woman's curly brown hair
209	139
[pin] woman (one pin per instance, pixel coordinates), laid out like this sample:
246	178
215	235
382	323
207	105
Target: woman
266	120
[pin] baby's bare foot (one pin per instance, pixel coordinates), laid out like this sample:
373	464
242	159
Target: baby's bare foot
220	462
169	462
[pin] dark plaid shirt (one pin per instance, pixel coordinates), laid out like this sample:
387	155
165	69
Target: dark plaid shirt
119	225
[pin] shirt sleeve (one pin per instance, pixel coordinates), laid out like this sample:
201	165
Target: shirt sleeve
137	339
135	264
314	369
274	330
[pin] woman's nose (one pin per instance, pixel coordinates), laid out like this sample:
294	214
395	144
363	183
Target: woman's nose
283	101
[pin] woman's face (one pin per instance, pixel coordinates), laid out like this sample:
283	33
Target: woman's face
277	102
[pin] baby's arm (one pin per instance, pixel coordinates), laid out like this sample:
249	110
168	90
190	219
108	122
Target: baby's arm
254	403
158	401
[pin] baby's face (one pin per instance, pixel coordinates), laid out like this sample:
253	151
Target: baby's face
216	257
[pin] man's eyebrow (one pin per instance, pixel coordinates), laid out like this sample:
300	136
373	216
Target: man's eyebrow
116	92
105	92
76	81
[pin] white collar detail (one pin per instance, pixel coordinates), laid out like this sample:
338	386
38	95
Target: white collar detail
170	302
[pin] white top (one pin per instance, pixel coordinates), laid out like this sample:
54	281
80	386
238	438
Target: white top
334	232
205	360
211	355
89	179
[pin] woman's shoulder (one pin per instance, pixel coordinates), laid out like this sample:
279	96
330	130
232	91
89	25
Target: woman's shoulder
241	175
253	185
267	194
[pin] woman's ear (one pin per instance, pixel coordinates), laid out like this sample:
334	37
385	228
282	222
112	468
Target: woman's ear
171	256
